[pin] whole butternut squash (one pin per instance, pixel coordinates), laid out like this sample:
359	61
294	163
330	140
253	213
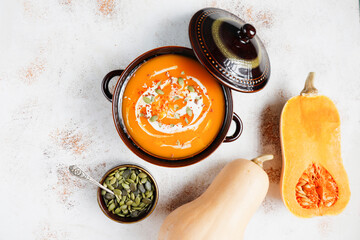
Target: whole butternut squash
225	208
313	179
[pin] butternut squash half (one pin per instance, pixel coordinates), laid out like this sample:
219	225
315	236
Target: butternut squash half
313	179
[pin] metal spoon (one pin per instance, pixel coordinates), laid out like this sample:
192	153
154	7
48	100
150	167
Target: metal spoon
76	171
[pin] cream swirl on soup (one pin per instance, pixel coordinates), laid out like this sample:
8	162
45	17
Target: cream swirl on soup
169	107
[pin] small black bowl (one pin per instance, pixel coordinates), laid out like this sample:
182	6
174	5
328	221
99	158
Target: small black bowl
117	218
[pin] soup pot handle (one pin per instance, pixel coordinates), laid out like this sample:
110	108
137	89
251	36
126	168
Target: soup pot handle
105	83
238	129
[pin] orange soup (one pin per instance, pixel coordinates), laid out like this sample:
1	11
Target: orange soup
172	107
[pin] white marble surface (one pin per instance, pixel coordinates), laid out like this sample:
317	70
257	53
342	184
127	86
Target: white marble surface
53	55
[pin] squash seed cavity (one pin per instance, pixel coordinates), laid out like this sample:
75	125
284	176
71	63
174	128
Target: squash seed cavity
316	188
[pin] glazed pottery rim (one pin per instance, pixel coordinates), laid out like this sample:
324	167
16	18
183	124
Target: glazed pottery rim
136	148
127	220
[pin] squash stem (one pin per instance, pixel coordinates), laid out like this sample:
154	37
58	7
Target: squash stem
309	88
261	159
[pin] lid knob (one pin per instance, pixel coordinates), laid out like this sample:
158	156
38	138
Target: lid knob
246	32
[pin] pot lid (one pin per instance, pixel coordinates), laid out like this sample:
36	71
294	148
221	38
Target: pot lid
229	49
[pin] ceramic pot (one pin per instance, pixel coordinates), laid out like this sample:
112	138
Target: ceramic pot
229	49
117	99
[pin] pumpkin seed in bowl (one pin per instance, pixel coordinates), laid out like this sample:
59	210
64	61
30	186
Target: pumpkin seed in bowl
134	190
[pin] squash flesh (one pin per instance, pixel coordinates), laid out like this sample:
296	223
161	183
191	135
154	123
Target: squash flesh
310	134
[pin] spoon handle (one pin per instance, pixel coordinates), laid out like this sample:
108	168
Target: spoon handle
76	171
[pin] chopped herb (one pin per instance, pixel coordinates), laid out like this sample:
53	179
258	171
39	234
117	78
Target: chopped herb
152	98
191	88
158	84
172	125
154	118
181	81
182	73
186	99
178	142
176	98
160	124
188	111
187	121
141	114
159	91
146	100
176	115
176	107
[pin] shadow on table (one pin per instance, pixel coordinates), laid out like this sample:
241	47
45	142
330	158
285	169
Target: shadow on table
270	141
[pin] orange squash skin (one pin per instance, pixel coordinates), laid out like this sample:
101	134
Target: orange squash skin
310	134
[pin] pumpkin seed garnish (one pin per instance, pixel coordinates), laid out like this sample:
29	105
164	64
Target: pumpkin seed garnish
113	181
148	186
123	193
109	196
158	84
149	194
191	88
154	118
181	81
187	121
141	188
159	91
188	111
126	173
111	207
133	187
147	100
117	192
135	213
123	207
142	175
133	191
